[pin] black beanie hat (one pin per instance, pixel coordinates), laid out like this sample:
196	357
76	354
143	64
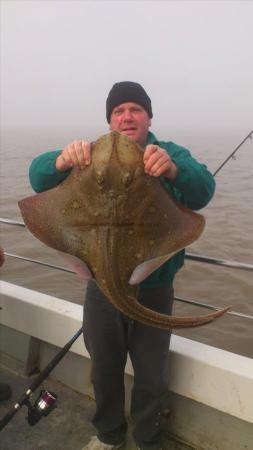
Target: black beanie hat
127	91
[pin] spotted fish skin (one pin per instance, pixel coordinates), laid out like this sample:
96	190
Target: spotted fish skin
119	222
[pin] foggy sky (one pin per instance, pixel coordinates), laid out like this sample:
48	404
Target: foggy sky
60	58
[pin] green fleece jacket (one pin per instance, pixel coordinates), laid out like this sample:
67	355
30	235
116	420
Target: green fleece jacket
193	187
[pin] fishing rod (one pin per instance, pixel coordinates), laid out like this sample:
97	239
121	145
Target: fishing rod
232	155
46	400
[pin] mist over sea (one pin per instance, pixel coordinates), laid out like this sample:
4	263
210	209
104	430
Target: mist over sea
228	232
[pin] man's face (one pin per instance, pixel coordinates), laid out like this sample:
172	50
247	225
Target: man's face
132	120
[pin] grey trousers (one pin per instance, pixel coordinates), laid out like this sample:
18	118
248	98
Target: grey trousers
109	336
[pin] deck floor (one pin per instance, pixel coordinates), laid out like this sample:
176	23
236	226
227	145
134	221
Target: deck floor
68	427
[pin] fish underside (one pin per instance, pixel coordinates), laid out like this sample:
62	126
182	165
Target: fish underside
117	224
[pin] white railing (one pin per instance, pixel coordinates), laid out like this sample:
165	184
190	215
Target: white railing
205	371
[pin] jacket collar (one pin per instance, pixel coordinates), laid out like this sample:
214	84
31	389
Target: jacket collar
151	139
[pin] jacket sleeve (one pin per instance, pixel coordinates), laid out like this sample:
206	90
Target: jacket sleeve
194	185
43	174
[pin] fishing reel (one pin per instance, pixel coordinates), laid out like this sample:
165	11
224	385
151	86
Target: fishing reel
44	405
46	400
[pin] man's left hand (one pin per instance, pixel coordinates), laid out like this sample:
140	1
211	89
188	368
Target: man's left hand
157	162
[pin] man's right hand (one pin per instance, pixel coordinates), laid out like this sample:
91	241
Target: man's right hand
76	154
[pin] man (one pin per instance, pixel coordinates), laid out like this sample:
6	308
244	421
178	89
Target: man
108	334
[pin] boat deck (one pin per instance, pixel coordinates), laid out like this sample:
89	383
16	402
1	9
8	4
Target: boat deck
68	427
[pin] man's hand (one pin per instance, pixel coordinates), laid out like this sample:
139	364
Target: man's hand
157	162
76	154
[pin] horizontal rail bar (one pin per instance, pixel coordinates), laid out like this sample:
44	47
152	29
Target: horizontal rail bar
190	256
216	308
205	259
12	222
220	262
42	263
190	302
